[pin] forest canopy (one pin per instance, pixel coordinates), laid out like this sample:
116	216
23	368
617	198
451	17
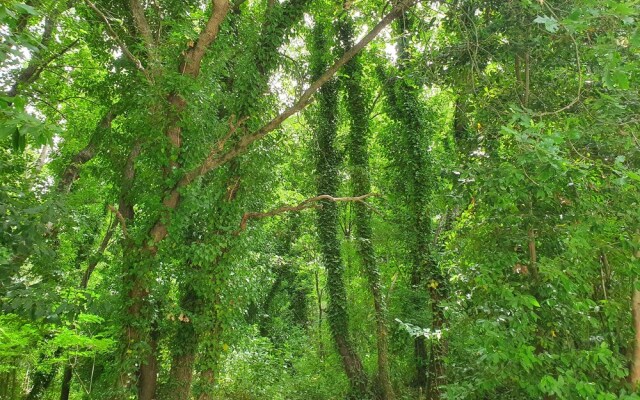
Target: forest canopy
295	199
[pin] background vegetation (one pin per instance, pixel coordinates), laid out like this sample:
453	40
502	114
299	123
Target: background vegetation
319	200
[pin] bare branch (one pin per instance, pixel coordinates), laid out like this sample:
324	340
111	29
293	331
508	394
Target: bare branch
217	158
72	170
119	41
33	69
121	218
194	56
233	127
308	203
98	255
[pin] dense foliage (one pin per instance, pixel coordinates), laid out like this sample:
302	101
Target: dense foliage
319	200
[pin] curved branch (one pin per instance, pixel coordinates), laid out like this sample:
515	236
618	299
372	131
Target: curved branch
123	221
194	56
306	204
71	172
119	41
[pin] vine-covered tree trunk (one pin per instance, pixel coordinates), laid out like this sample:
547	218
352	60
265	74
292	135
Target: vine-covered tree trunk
184	348
327	160
360	185
408	112
209	352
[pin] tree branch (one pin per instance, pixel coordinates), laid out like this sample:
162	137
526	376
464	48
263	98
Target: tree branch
217	158
193	58
308	203
142	25
119	41
93	262
32	71
72	170
35	68
123	221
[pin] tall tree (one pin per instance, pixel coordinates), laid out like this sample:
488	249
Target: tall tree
358	153
327	164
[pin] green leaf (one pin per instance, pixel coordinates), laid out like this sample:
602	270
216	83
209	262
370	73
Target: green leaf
551	24
633	175
26	8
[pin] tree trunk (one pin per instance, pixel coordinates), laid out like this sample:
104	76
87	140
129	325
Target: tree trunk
184	348
66	382
435	372
360	182
148	374
408	111
208	357
327	219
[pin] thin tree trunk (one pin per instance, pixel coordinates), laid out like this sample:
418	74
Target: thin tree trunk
406	109
66	382
436	372
327	220
320	309
360	182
